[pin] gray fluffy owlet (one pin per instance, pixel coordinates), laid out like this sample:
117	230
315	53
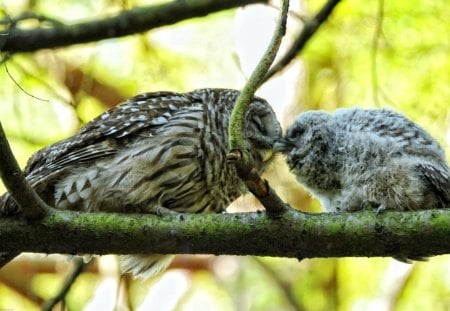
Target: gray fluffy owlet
358	158
154	152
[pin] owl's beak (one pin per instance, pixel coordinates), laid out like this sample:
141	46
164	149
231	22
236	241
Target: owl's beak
283	146
268	155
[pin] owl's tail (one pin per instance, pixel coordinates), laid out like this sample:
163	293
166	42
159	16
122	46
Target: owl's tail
145	266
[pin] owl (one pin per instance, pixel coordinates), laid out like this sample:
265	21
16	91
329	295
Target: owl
155	153
366	158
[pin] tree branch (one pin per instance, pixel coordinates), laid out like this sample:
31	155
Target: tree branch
258	186
126	23
237	119
284	286
309	29
78	268
292	234
26	198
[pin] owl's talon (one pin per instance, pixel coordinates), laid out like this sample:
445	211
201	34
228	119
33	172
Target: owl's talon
380	209
363	206
219	210
164	211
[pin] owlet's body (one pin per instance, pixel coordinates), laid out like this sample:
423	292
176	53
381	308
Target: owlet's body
357	158
154	152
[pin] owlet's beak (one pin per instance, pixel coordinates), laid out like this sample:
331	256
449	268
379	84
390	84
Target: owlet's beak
283	145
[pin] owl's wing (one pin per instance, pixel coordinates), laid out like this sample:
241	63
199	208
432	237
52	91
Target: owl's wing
103	135
438	179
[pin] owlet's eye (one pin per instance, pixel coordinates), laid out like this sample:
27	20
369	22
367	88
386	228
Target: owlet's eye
297	132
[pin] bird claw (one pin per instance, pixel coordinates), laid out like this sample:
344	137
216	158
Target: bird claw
164	211
219	210
381	208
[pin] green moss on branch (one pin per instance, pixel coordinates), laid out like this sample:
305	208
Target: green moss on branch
293	234
237	120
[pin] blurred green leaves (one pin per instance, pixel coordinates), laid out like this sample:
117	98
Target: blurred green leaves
413	60
413	71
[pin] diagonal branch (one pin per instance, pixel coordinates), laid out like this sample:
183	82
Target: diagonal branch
258	186
292	234
309	29
78	268
237	120
26	198
129	22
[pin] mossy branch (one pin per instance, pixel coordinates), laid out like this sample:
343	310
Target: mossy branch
237	120
292	234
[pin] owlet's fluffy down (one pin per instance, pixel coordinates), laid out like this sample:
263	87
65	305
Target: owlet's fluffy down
358	158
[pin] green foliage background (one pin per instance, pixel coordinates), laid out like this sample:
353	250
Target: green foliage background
413	76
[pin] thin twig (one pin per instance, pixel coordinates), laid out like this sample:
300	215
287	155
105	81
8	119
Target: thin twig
6	56
79	266
20	87
376	88
31	15
258	186
50	89
237	120
302	18
309	29
374	53
26	198
282	285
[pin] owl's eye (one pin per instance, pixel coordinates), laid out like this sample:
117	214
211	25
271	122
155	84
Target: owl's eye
297	132
258	124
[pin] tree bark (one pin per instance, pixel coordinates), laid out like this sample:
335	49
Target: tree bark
290	234
129	22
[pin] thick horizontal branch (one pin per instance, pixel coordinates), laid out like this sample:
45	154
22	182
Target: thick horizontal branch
291	234
126	23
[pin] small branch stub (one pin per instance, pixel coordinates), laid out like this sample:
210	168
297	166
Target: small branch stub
256	184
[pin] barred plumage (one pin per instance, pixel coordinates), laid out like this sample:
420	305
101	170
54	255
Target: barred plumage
356	158
156	151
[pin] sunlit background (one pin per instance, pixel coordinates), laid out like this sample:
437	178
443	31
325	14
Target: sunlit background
398	58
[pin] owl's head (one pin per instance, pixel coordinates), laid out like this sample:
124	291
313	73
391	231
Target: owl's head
262	131
307	139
